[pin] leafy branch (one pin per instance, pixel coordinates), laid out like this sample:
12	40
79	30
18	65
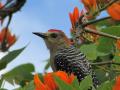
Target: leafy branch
105	7
105	63
89	30
95	21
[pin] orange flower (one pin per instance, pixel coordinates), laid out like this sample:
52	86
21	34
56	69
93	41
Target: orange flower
64	76
90	5
49	82
74	17
118	44
114	11
6	39
39	85
117	84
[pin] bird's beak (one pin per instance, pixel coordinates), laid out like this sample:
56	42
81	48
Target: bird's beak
42	35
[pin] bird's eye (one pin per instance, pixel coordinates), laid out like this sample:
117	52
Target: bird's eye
53	35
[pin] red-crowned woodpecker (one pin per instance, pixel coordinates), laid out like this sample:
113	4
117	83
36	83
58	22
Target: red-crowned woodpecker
65	57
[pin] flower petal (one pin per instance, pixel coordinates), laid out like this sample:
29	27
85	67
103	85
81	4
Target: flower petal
71	78
39	85
49	81
76	14
114	11
117	84
71	19
64	76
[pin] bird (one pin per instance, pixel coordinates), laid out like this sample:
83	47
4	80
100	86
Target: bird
66	57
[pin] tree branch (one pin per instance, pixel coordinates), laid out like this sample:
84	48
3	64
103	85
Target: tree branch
95	21
89	30
105	63
106	6
100	10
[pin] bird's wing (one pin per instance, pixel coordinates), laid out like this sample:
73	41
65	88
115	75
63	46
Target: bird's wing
72	61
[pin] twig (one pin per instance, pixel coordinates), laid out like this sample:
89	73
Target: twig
102	68
106	6
95	21
10	18
104	63
89	30
109	4
100	10
14	7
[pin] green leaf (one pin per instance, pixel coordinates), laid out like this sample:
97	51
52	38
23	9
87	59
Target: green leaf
10	57
90	51
47	65
114	30
107	23
30	86
106	45
22	73
101	75
103	23
117	56
86	83
76	84
41	77
106	86
62	85
1	81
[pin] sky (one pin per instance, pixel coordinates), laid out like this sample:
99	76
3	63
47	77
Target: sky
39	16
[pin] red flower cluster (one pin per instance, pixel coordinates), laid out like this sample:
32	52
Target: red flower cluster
49	82
93	5
6	39
75	19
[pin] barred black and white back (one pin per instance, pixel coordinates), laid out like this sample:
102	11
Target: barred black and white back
73	61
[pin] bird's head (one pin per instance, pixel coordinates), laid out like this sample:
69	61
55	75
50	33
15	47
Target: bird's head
54	38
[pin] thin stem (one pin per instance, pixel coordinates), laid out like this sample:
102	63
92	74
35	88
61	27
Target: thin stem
106	6
10	18
105	63
95	21
89	30
102	68
100	10
109	4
